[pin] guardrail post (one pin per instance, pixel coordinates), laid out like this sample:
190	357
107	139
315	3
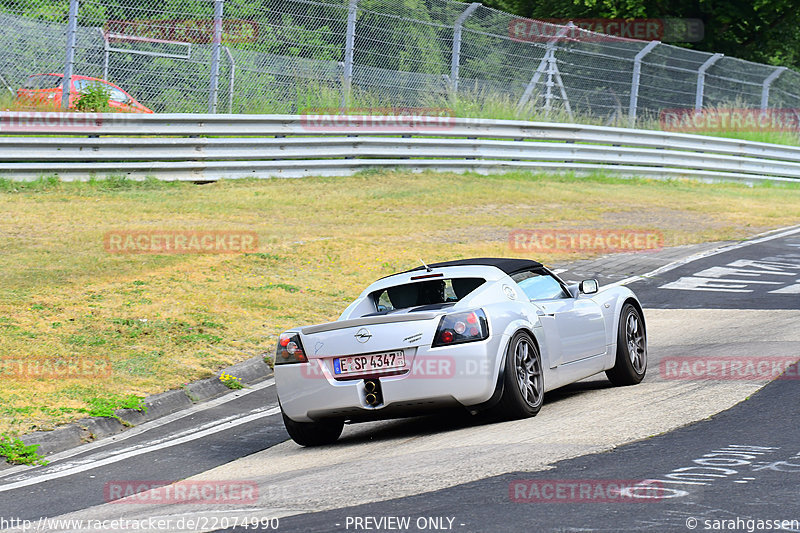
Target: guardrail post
349	45
72	30
456	54
213	87
701	80
549	55
765	86
637	74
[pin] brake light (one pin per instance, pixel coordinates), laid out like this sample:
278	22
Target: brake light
461	327
290	349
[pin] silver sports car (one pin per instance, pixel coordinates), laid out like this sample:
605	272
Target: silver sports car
481	333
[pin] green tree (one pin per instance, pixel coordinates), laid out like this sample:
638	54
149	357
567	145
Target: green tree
765	31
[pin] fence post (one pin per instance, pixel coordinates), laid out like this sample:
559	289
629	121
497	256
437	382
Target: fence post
637	74
549	55
106	52
10	89
349	44
72	30
765	86
231	78
456	55
213	87
701	80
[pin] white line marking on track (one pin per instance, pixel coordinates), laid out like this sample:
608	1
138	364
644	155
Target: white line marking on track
147	426
768	236
165	443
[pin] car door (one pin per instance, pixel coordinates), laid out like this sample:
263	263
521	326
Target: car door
576	323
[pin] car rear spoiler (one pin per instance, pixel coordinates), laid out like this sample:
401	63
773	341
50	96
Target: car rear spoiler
367	321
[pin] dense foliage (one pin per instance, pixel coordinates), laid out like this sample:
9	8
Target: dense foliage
765	31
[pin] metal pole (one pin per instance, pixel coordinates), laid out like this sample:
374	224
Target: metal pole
214	83
106	53
349	45
765	86
343	99
231	78
543	64
72	30
564	97
548	96
637	74
10	89
456	56
701	80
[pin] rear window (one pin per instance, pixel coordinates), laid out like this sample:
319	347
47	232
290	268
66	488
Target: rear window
430	294
44	81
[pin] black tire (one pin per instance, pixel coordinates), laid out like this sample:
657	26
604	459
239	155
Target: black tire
523	379
313	433
631	363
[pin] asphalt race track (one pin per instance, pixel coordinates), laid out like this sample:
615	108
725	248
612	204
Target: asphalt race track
762	276
754	448
737	309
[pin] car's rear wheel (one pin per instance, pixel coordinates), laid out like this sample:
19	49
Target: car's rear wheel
523	385
631	363
313	433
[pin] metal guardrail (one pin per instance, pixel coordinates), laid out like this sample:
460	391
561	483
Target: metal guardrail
211	147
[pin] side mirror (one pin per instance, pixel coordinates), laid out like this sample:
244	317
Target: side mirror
588	286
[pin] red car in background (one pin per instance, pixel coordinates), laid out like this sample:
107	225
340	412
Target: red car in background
46	89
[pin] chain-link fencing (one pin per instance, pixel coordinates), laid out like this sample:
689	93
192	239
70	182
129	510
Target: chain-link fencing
286	56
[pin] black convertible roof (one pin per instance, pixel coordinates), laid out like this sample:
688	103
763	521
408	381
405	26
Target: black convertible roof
507	265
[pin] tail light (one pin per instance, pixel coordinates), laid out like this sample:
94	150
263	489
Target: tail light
290	349
461	327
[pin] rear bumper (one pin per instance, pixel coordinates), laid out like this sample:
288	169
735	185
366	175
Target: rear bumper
434	378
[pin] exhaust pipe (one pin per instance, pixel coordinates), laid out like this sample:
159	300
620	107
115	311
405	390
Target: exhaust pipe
373	389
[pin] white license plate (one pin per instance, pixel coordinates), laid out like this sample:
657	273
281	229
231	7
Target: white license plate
368	362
